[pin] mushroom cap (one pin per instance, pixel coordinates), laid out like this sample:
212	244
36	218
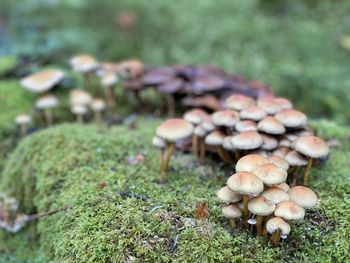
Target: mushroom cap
227	196
83	63
226	118
246	125
283	102
250	162
295	159
98	104
245	183
42	81
283	186
174	129
215	138
303	196
311	146
269	142
79	109
289	210
46	102
79	97
248	140
275	195
231	211
277	223
131	69
23	119
109	79
226	144
239	102
207	124
271	174
271	125
254	113
281	151
261	206
199	131
194	116
291	118
269	105
158	142
279	161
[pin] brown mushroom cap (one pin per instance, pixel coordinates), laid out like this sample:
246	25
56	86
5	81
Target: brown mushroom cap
215	138
261	206
271	125
42	81
158	142
250	162
195	116
269	105
174	129
289	210
231	211
246	125
239	102
291	118
248	140
271	174
227	196
83	63
279	161
303	196
277	224
295	159
311	146
226	118
46	102
275	195
245	183
254	113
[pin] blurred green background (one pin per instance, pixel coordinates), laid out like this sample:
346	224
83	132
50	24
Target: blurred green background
301	48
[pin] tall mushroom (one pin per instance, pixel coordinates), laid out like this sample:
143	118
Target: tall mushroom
226	119
46	103
277	227
295	160
232	212
23	120
79	110
98	106
159	143
249	140
216	139
108	81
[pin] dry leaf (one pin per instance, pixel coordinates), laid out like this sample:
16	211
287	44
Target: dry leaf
202	211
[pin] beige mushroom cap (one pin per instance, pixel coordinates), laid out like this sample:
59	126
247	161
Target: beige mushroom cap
79	109
271	125
98	104
231	211
83	63
289	210
174	129
215	138
207	123
261	206
246	125
226	144
283	103
131	69
109	79
23	119
254	113
245	183
271	174
158	142
269	142
277	223
42	81
239	102
195	116
311	146
226	118
248	140
279	161
46	102
227	196
291	118
303	196
296	159
283	186
269	105
250	162
281	151
79	97
275	195
199	131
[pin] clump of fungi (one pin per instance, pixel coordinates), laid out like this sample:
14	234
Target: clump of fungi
269	204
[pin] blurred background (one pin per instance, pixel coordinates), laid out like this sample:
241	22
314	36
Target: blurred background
301	48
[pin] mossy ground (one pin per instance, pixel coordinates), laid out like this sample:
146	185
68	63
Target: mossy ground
87	166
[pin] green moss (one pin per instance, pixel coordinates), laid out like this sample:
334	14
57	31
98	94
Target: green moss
68	164
6	64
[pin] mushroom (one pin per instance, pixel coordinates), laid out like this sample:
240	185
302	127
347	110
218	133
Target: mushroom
261	207
171	131
289	210
313	147
269	142
279	161
277	227
247	184
23	120
283	186
303	196
216	138
281	151
292	119
42	81
295	160
79	97
198	143
225	195
246	125
275	195
268	104
254	113
270	174
239	102
108	81
79	111
159	143
225	118
195	116
283	103
46	103
98	106
232	212
248	140
250	162
271	125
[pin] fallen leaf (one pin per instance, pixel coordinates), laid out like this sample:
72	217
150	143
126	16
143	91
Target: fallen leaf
202	211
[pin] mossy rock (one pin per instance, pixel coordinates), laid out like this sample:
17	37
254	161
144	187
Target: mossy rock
87	167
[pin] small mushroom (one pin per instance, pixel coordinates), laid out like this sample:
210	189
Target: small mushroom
232	212
86	65
244	141
246	125
216	138
225	195
303	196
79	97
79	111
254	113
277	227
42	81
261	207
295	160
239	102
250	162
270	174
226	119
270	106
23	120
108	81
159	143
195	116
198	141
271	125
291	118
98	106
46	103
279	161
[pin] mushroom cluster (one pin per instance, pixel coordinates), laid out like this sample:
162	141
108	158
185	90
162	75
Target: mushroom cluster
268	126
257	194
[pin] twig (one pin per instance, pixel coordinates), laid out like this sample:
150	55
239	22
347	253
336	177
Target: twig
130	194
40	215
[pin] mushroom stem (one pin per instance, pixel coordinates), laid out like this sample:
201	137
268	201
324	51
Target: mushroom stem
195	140
48	117
232	223
245	210
80	118
202	154
264	228
224	155
170	104
237	155
23	128
110	96
98	116
168	154
259	225
161	158
275	238
307	171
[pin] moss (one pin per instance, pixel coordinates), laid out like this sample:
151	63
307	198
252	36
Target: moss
86	166
6	64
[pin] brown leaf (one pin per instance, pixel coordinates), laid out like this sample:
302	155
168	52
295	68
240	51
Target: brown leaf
202	211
